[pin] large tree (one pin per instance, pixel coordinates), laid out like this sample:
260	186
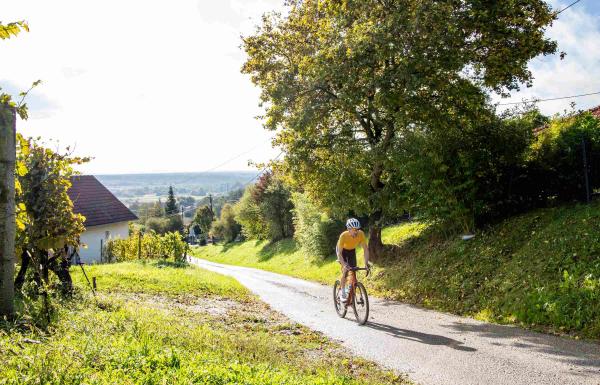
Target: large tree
343	82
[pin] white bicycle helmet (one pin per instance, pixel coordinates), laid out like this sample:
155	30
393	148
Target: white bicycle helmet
352	223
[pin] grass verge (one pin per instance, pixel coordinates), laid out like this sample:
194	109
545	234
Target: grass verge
145	334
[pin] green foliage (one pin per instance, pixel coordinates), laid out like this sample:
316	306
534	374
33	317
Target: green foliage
345	83
203	218
171	207
315	231
460	176
165	224
265	210
555	164
45	218
226	228
250	217
147	246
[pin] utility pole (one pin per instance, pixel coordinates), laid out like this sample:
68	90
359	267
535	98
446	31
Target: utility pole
139	245
211	205
7	208
585	171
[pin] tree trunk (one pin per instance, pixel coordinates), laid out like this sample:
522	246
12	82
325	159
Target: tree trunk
376	247
60	267
22	271
7	209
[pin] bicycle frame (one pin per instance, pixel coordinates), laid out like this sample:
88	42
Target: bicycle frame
351	275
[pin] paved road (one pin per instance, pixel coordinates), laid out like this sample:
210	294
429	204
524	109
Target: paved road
431	347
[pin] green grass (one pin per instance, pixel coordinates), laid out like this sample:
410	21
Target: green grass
540	270
283	257
142	333
159	278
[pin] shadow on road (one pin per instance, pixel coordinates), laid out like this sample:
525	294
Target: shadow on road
575	352
429	339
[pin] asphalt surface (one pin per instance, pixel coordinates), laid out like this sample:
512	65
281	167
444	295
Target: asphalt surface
431	347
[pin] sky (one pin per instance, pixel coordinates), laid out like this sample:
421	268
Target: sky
155	86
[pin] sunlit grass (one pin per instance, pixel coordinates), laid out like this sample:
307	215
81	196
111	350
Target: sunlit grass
155	278
138	331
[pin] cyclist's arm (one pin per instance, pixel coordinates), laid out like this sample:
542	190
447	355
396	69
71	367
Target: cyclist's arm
365	248
338	251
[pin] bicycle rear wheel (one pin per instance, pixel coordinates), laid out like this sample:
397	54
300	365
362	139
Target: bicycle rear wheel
360	304
340	308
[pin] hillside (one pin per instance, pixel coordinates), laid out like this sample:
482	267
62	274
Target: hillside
130	186
540	270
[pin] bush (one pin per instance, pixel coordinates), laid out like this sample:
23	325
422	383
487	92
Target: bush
459	177
555	165
150	246
248	214
316	232
265	210
165	225
158	225
226	228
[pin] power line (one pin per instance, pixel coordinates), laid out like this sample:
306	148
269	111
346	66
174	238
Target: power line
224	163
550	99
567	7
263	170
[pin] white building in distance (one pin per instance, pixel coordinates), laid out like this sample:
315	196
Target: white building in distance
106	217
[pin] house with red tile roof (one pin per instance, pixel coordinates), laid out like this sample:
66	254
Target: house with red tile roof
106	217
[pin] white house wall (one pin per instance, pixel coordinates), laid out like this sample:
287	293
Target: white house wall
92	236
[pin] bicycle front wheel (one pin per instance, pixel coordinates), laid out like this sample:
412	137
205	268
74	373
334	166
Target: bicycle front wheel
361	304
340	308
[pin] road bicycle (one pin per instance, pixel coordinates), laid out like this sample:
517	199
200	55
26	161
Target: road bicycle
357	297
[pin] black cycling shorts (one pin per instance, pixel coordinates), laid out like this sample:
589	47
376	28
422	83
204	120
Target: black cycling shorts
349	256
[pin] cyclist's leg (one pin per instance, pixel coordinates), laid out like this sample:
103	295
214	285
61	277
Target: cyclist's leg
349	256
344	271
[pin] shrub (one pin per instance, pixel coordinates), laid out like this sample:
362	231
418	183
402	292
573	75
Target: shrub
158	225
250	217
226	228
556	161
315	231
265	210
150	246
460	176
165	225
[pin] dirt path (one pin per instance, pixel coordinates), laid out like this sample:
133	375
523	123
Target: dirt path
431	347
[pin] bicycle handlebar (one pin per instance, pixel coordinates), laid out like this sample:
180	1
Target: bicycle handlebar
357	268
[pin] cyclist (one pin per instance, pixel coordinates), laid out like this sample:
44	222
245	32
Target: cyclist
346	251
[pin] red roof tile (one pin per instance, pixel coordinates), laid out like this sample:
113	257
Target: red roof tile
98	205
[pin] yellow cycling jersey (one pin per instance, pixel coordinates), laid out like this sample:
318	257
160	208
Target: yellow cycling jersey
349	242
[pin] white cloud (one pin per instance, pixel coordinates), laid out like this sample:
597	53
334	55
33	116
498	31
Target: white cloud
577	32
